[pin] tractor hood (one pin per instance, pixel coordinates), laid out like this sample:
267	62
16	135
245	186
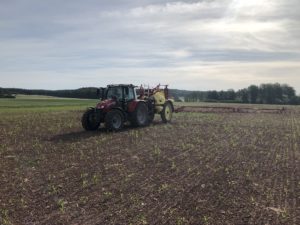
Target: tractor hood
106	104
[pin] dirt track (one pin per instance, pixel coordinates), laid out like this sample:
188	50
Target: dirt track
201	169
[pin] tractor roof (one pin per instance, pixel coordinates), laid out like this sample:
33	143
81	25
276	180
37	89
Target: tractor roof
121	85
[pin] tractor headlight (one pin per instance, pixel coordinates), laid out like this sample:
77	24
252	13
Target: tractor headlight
100	106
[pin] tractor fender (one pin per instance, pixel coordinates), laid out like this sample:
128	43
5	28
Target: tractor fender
97	111
132	105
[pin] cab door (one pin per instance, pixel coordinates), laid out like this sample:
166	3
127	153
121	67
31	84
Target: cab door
130	96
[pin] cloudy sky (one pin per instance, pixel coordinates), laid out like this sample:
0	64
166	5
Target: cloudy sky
191	44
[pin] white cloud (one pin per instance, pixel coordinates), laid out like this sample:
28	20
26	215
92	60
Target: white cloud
193	76
189	44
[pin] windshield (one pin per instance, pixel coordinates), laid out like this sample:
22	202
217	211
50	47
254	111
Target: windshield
114	92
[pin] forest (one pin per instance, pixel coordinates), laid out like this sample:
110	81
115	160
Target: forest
255	94
262	94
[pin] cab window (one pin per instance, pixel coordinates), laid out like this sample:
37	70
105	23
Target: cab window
114	92
129	93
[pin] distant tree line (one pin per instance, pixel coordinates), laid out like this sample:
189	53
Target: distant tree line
88	93
6	94
262	94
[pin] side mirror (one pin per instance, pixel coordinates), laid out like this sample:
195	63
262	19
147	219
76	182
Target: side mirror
102	94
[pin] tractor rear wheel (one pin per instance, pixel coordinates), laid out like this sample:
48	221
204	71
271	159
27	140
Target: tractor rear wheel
167	112
140	115
89	120
114	120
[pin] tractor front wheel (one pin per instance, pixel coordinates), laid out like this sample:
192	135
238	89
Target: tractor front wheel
114	120
89	120
167	112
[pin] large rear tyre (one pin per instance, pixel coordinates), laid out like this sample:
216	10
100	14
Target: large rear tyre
140	116
90	120
167	112
114	120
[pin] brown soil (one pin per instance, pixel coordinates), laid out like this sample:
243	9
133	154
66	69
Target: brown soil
208	168
218	109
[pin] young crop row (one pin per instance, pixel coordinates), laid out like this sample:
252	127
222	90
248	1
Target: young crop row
199	169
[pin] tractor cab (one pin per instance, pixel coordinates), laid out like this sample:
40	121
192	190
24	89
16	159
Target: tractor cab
121	92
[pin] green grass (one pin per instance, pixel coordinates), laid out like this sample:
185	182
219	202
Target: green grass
39	97
44	103
40	103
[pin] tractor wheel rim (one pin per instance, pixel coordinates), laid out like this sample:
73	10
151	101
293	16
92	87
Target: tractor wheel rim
116	121
168	113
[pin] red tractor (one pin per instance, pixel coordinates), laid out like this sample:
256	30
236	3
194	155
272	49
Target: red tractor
122	103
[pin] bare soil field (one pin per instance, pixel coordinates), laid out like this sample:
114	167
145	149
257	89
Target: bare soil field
203	168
